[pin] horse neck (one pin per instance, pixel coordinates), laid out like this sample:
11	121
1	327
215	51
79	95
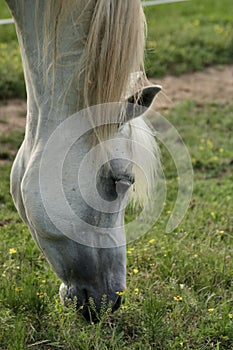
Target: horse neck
52	94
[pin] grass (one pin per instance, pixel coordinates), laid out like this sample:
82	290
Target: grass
179	285
182	37
189	36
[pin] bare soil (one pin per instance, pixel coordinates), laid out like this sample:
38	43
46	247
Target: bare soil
212	85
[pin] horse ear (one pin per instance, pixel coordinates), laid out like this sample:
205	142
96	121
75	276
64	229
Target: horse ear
138	103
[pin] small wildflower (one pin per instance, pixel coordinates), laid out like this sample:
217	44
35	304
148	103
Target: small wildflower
168	211
12	251
221	150
178	298
151	241
181	344
151	44
3	274
221	232
124	307
92	323
145	249
135	271
210	144
136	290
211	310
196	22
43	281
18	289
129	252
230	316
120	293
195	256
40	295
219	29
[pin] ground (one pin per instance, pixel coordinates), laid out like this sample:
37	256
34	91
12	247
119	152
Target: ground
213	84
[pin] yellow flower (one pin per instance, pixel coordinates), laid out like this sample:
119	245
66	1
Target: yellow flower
230	316
151	241
130	250
178	298
122	292
135	271
181	344
12	251
211	309
210	144
136	290
196	23
152	44
124	307
221	150
40	295
18	289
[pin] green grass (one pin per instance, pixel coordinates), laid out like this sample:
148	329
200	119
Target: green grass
192	264
182	37
189	36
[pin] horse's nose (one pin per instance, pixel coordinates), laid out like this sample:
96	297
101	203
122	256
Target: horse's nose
90	304
92	311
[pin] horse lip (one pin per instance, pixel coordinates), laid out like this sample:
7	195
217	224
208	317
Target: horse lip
92	315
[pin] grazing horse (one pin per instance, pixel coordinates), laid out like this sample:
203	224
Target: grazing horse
77	54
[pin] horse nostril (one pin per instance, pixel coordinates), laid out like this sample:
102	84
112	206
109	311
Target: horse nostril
117	304
86	295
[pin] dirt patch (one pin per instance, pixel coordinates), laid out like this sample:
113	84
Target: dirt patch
213	84
12	115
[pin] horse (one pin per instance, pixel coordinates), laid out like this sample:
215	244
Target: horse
78	55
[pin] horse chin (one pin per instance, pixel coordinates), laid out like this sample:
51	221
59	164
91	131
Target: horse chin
90	309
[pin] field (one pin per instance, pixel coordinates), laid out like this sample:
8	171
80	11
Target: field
179	284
